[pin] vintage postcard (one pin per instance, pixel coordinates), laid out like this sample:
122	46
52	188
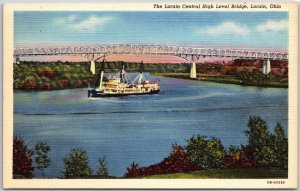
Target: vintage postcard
150	95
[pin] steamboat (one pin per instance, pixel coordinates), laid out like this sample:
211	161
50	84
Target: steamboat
121	85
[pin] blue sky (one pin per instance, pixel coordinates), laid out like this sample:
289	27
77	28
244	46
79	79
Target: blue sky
238	29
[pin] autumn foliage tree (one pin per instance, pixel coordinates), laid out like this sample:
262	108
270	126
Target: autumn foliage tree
239	157
176	162
22	162
133	171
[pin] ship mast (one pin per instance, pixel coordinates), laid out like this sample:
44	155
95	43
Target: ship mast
124	78
140	78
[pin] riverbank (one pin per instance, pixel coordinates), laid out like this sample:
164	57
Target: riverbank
67	75
245	173
226	79
257	173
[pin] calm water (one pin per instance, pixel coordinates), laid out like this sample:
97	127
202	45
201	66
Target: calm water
141	128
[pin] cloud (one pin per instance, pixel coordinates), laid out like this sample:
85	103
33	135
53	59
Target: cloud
91	23
65	20
225	28
273	25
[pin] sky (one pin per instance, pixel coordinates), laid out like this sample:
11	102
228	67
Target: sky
206	29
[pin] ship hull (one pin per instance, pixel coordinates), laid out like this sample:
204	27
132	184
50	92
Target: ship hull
96	93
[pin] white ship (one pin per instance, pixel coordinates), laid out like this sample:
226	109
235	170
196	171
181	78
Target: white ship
121	85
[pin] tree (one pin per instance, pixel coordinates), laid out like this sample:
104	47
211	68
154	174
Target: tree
22	162
76	164
18	84
253	77
204	152
280	147
239	157
260	141
176	162
30	82
102	170
42	159
132	171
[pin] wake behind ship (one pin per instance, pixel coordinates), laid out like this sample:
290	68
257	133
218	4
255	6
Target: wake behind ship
121	85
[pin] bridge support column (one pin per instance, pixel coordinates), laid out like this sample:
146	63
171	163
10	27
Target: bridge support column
193	73
93	67
17	60
266	66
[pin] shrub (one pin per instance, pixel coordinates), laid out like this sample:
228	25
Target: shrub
63	83
239	158
176	162
253	77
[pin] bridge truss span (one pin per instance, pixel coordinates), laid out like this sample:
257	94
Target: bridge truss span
188	53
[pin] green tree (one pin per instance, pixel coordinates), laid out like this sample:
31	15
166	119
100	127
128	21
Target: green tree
42	160
102	170
253	77
260	141
280	147
206	153
76	164
18	83
67	76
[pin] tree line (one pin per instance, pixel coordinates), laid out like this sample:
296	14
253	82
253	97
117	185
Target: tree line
76	163
30	75
61	75
263	149
53	75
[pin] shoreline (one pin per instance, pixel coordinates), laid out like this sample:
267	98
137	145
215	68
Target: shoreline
220	79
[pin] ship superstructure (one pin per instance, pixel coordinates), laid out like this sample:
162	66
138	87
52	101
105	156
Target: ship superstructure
121	85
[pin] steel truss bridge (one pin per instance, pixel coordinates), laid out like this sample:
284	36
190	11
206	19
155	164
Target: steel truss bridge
191	54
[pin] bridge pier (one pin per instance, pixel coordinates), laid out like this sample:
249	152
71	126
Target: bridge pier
193	73
17	60
266	66
93	67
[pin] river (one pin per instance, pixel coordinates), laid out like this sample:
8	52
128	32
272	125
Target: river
141	128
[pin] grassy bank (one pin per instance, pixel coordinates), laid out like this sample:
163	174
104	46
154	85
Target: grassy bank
226	79
229	174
